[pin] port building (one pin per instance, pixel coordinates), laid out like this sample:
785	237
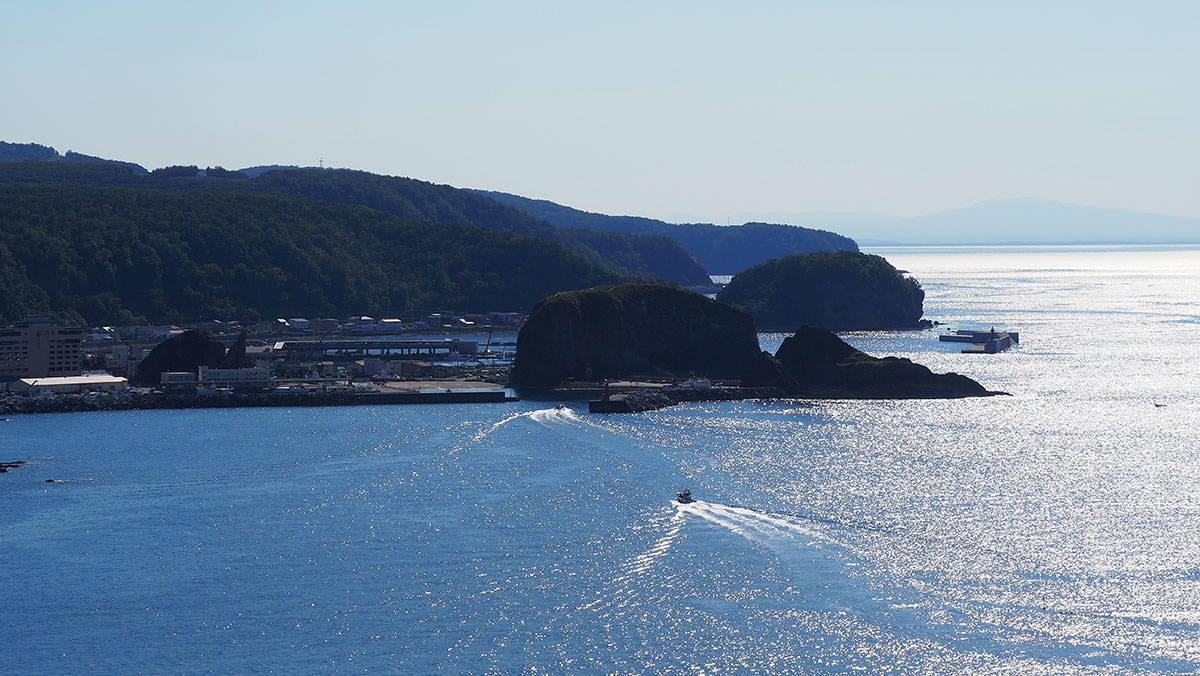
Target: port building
87	382
39	348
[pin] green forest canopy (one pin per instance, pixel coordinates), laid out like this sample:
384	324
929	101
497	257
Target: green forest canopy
634	255
836	290
121	255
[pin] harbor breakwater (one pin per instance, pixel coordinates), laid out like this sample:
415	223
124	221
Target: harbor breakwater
655	398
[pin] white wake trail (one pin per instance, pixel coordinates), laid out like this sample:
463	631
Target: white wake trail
543	416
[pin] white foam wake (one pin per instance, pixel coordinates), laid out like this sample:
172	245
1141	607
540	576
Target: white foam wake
544	416
753	524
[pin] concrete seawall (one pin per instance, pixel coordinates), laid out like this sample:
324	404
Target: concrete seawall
158	400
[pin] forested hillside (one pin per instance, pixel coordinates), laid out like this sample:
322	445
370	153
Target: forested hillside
722	249
118	255
411	199
21	152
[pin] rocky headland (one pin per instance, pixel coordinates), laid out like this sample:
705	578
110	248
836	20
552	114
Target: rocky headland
815	363
631	330
655	332
836	290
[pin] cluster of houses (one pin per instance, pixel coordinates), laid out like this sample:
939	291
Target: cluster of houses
37	356
361	325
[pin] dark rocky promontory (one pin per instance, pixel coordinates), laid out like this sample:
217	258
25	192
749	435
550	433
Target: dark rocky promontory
186	352
836	290
631	330
815	363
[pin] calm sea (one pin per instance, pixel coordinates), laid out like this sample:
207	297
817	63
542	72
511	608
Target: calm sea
1055	531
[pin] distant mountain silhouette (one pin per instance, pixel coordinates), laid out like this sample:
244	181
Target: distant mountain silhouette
1029	221
722	249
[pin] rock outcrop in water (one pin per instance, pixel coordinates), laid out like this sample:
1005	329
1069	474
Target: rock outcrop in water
837	290
630	330
816	363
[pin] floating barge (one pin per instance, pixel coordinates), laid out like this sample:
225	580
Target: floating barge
982	342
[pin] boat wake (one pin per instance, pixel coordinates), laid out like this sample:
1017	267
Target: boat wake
821	567
558	414
544	416
747	522
828	577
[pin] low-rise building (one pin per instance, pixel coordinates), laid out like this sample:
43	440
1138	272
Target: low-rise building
164	331
87	382
177	381
255	377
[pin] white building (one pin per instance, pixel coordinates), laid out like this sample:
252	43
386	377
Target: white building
91	382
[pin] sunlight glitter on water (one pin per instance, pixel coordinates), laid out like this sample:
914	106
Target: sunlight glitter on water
1048	532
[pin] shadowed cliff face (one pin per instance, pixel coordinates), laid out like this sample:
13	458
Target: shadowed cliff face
816	363
185	352
630	330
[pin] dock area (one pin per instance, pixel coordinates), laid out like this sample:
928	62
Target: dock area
982	342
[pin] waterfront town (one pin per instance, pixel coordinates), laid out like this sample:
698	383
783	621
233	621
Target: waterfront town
289	356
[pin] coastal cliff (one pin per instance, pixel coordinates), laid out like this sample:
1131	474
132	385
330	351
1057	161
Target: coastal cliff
628	330
815	363
842	290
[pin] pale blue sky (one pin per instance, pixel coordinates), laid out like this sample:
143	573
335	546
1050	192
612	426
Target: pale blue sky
664	109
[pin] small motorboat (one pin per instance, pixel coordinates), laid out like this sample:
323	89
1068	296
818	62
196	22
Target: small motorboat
684	496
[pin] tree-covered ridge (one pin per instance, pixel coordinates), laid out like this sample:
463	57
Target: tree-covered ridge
840	290
24	152
644	256
722	249
631	254
411	199
118	255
